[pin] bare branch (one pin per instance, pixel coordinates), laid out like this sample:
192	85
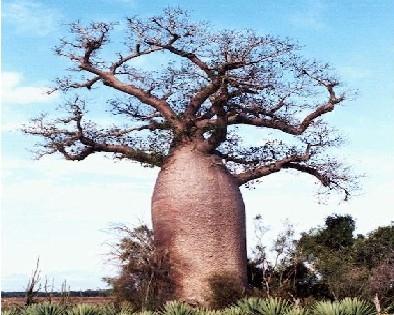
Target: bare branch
274	167
111	80
76	140
283	125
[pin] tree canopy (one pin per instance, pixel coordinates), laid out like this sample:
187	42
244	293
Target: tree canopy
213	84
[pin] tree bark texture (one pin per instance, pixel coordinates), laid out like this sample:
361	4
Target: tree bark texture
199	219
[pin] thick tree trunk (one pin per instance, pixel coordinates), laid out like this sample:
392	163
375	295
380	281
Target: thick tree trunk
199	218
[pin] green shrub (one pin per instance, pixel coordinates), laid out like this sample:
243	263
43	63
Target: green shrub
11	311
177	308
355	306
45	309
327	308
84	309
297	310
270	306
145	313
108	309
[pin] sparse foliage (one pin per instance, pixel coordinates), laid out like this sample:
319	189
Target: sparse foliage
214	82
143	272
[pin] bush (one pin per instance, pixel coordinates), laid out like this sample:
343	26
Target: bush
144	272
44	309
225	290
84	309
257	306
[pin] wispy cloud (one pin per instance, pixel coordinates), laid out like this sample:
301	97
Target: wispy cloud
31	17
12	92
311	15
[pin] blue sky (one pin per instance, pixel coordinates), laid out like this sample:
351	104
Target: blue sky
60	210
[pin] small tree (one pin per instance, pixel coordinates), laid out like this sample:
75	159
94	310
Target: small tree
189	118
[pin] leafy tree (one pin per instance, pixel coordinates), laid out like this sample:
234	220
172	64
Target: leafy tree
329	251
337	234
348	265
375	248
189	118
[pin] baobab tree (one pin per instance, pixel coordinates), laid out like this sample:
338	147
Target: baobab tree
193	118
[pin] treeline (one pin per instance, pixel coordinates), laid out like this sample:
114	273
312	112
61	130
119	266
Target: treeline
86	293
328	262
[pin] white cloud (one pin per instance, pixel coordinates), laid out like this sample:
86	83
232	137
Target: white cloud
31	17
12	92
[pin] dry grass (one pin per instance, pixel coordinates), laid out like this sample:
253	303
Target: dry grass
8	302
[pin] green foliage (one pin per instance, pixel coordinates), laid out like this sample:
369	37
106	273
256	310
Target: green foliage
84	309
245	306
44	309
337	234
270	306
327	308
11	311
145	313
355	306
232	310
177	308
347	265
297	310
379	244
275	306
325	263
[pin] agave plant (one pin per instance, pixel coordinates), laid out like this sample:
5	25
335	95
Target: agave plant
107	309
232	310
355	306
327	308
249	305
145	313
126	308
45	309
275	306
297	310
203	311
177	308
84	309
270	306
11	311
